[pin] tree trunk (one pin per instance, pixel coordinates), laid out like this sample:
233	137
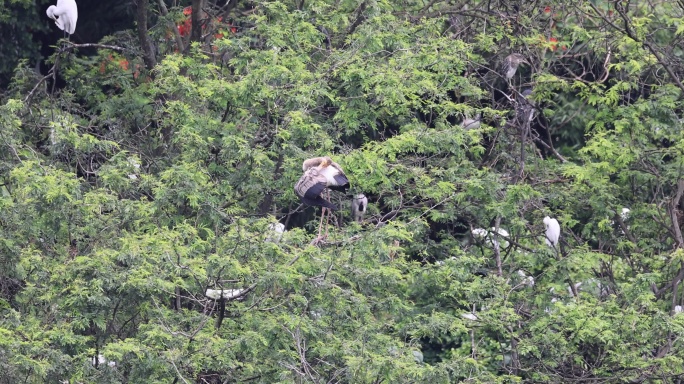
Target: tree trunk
148	52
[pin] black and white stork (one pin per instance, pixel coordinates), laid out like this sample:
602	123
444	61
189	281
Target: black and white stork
320	173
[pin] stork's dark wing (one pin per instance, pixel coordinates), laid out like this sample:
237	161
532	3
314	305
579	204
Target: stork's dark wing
309	189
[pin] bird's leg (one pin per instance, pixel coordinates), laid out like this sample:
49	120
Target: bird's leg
327	217
320	226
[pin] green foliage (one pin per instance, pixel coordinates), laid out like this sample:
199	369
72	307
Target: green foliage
133	199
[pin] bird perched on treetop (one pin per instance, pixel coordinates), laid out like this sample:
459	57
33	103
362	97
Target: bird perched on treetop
511	63
65	15
552	231
320	173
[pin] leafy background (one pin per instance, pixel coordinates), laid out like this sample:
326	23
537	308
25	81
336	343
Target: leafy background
147	159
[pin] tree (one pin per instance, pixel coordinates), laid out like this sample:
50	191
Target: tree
139	194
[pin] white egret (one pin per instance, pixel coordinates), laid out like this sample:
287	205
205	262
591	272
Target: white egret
624	215
227	294
469	316
320	173
359	204
491	236
133	162
275	232
100	360
552	231
678	309
527	280
65	15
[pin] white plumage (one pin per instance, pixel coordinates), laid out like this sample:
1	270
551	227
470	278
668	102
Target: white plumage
65	15
624	215
491	236
223	293
552	231
100	360
527	280
275	232
330	173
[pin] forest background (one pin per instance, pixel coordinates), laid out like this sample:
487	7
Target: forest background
146	160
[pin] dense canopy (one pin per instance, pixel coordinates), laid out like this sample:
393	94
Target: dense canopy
148	164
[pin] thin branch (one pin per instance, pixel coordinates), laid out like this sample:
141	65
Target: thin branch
176	35
71	46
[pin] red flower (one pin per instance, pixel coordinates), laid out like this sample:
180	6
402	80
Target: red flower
185	28
554	43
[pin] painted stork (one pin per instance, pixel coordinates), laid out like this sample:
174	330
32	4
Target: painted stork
65	15
359	204
320	173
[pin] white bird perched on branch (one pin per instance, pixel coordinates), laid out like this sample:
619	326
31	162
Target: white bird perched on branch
552	231
491	235
359	204
320	173
275	232
624	215
227	294
65	15
527	280
100	360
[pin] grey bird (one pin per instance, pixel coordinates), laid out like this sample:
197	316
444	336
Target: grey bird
474	123
510	65
524	109
359	204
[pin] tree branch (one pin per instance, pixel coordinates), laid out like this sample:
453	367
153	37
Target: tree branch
176	35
